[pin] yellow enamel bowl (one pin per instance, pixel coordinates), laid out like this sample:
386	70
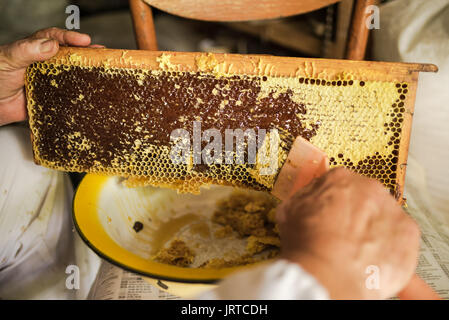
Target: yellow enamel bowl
105	212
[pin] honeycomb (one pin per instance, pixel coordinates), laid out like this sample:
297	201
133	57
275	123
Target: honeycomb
246	223
177	254
114	118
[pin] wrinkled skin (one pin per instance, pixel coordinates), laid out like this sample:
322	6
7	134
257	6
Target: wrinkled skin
342	223
17	56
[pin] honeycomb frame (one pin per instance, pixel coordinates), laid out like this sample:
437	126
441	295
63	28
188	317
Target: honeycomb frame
73	78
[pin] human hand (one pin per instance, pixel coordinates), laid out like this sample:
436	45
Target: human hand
342	223
15	58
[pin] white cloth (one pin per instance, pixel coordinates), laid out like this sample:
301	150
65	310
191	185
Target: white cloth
37	240
271	281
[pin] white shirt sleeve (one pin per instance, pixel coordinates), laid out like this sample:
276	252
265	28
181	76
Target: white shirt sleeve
270	281
37	240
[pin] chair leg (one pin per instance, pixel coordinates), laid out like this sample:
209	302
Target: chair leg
358	32
143	25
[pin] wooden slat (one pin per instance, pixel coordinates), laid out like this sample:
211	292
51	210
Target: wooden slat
358	33
238	10
337	49
406	133
291	35
253	64
143	25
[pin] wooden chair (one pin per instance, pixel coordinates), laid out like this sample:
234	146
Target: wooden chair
244	10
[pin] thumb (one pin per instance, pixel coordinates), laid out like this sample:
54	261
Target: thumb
22	53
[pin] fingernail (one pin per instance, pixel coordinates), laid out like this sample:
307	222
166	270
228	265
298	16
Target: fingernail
97	46
47	45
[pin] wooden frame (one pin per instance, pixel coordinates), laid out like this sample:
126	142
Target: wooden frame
258	65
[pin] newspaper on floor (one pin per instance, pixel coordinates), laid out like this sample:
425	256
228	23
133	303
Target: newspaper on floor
113	283
433	266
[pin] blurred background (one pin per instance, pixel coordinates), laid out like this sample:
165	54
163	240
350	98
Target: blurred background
321	33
